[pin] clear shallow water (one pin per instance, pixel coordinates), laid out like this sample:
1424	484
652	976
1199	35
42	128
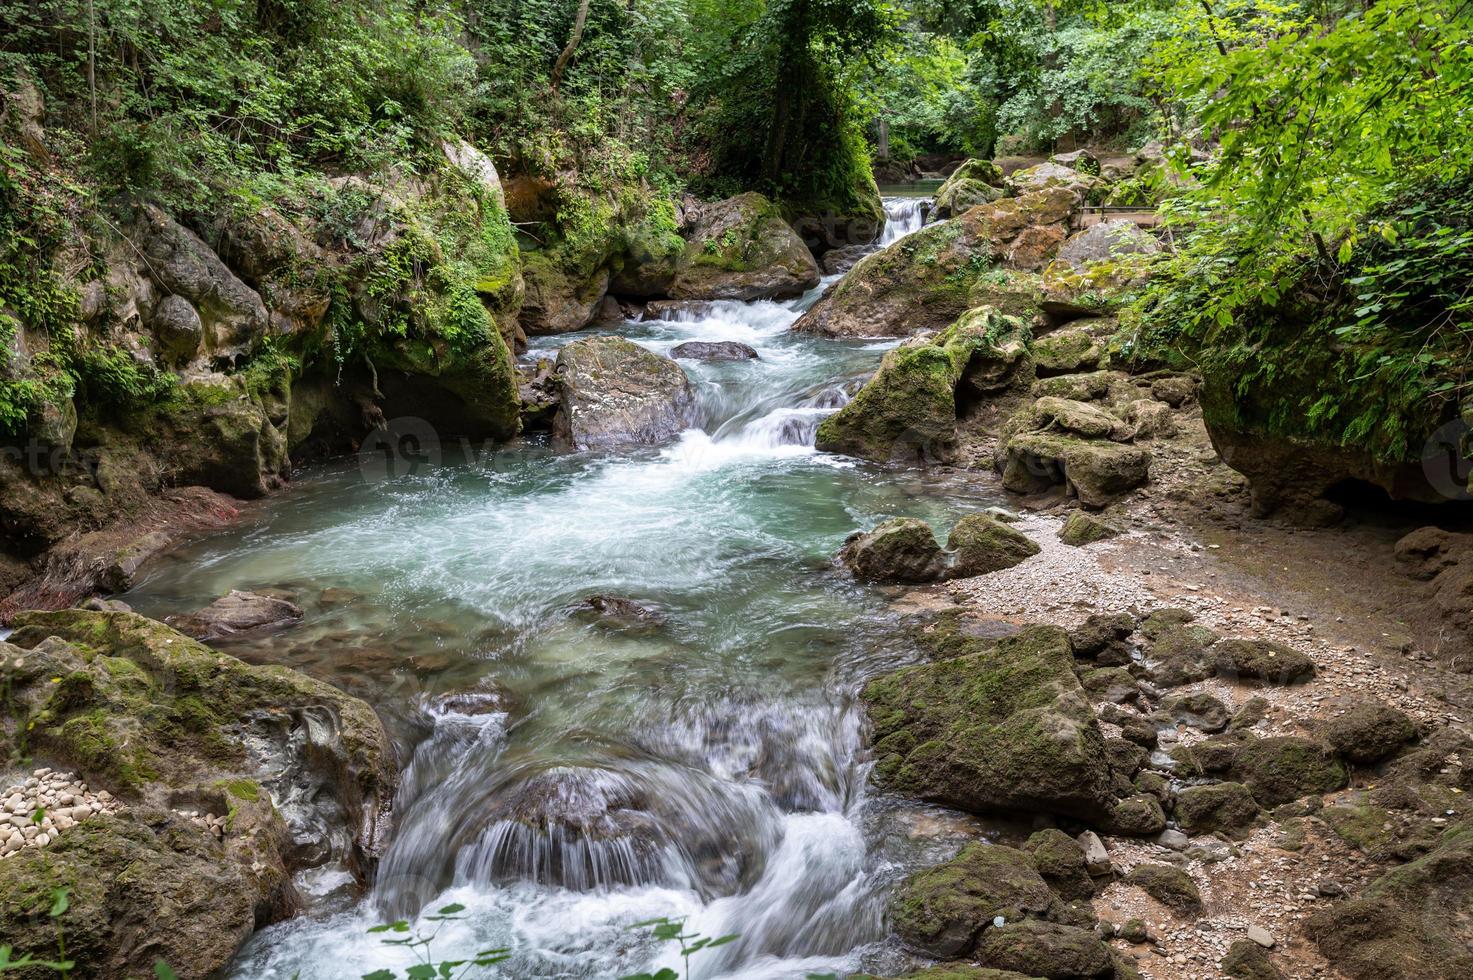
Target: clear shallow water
564	779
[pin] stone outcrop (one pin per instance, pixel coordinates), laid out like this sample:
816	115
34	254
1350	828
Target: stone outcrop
298	774
741	248
614	392
974	182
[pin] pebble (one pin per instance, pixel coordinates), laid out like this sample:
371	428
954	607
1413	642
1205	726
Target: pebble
1261	936
63	800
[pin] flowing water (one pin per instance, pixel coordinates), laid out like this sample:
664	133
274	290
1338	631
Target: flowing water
566	776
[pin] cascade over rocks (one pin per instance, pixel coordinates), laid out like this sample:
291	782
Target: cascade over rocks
614	392
167	725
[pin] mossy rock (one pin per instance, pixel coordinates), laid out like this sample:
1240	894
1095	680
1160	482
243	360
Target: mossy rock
1011	291
1081	529
900	550
1199	710
952	971
1211	756
1170	886
1246	960
1381	834
1114	684
1263	660
1046	949
1060	860
743	248
1067	352
908	410
1006	727
974	182
1138	816
1413	923
942	910
1369	733
1286	768
1099	632
1095	471
1226	807
1177	651
980	543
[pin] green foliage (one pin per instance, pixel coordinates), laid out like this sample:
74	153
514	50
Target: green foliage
402	936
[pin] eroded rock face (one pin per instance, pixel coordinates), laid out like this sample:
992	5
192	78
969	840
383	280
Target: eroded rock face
614	392
741	248
168	725
1003	727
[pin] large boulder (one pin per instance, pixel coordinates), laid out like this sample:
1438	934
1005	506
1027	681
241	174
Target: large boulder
300	774
1177	650
1046	949
741	248
1170	886
1094	471
1263	660
1054	176
1094	267
1368	733
614	392
980	543
1004	727
1413	923
924	281
1285	768
941	911
558	298
908	410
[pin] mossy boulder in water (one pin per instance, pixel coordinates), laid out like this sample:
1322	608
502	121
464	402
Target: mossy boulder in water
908	410
613	392
899	550
924	281
1005	727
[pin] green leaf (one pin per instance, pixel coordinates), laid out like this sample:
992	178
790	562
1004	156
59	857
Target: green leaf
163	971
60	902
379	975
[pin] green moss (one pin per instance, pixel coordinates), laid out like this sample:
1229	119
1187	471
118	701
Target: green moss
242	789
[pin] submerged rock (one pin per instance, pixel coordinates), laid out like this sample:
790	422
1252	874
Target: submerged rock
723	350
1003	727
614	392
619	613
238	612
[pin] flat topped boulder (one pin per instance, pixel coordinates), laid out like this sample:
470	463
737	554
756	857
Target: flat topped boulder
612	392
1003	727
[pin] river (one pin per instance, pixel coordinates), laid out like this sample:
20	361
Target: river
565	779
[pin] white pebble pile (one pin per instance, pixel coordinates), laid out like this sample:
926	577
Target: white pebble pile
62	799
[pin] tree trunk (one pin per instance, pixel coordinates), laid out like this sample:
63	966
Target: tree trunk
573	39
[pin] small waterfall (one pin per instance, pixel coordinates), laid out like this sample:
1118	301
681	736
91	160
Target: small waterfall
903	215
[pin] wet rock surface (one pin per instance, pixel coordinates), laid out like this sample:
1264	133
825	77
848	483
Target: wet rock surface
616	393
